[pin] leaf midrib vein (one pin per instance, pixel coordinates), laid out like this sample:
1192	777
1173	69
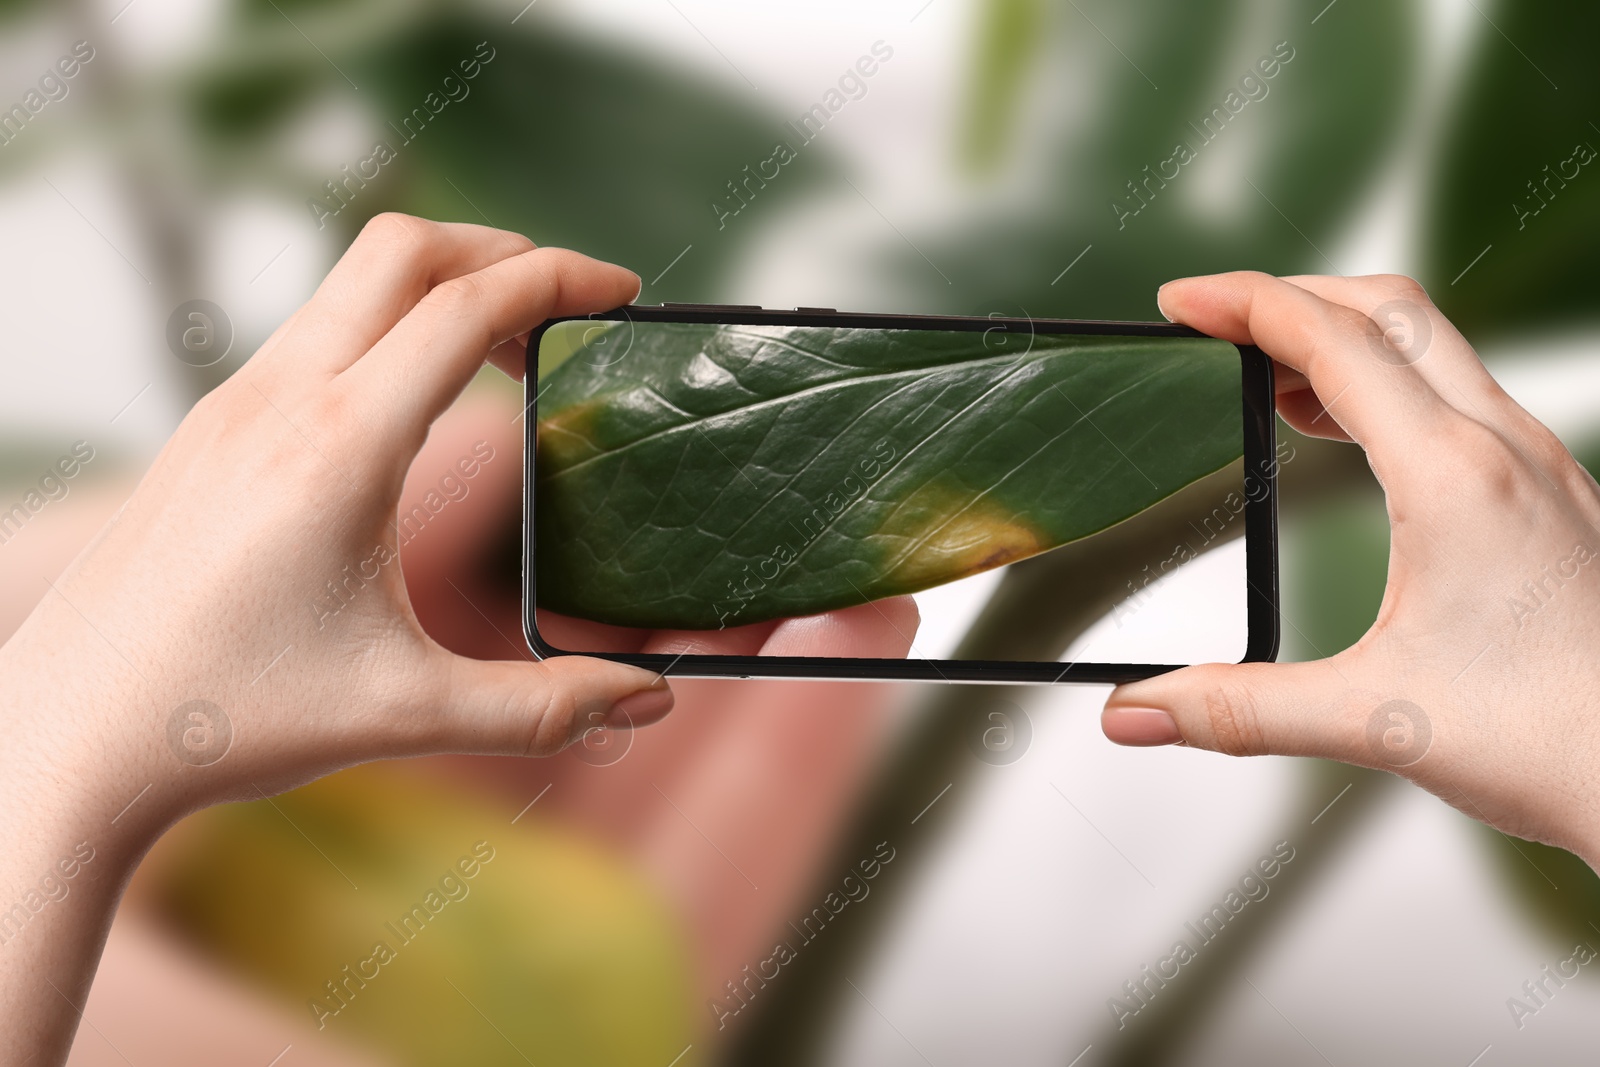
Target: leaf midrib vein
843	383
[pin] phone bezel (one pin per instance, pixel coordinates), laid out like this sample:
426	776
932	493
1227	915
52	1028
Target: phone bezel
1261	515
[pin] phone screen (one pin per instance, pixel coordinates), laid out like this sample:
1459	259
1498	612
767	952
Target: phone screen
1055	499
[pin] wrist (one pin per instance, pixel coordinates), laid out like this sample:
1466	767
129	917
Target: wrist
69	853
76	766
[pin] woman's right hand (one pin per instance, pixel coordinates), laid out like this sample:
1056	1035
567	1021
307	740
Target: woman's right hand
1480	678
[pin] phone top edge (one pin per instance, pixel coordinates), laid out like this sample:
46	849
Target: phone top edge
752	315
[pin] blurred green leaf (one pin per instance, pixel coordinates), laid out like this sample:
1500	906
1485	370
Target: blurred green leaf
1505	250
279	10
1345	541
249	103
1008	45
576	143
852	465
12	9
1559	892
1268	188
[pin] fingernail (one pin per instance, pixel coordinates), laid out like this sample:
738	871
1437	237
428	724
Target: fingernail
1162	307
639	709
1139	726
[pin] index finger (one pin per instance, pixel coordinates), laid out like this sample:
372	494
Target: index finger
1383	405
393	263
420	366
1437	349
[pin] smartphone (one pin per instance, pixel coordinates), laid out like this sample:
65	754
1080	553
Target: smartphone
1060	501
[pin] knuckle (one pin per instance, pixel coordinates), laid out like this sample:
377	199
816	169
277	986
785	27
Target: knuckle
1403	287
1546	448
1326	341
1251	285
1232	720
520	244
1481	447
217	422
395	231
221	405
459	297
548	268
338	411
1350	322
1480	459
552	716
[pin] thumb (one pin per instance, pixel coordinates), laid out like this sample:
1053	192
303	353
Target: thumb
521	708
1246	709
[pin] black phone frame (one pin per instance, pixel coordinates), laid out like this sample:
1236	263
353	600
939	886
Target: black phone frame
1261	515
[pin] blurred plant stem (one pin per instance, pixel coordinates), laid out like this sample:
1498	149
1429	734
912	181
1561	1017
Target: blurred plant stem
150	156
1337	803
1041	607
1009	36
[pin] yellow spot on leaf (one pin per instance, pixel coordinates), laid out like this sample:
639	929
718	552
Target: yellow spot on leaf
567	436
940	534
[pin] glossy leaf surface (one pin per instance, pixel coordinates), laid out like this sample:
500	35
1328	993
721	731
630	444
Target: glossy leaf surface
713	476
